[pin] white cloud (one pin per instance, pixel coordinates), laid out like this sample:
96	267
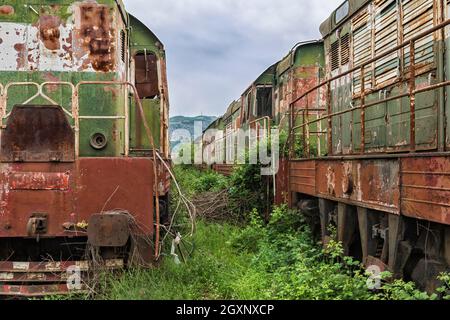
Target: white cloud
216	48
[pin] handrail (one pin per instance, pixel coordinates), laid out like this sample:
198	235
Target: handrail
412	91
75	94
76	117
375	59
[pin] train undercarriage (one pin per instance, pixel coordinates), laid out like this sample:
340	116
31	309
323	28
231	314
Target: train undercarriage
388	213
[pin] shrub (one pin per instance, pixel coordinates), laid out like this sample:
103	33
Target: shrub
210	182
247	190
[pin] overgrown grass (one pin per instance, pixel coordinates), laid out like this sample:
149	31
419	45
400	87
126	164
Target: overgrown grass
216	271
274	260
278	260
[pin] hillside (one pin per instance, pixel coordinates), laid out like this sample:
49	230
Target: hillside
187	123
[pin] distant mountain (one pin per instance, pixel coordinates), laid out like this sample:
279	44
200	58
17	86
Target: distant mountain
187	123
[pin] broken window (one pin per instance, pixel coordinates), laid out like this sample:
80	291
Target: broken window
264	102
146	75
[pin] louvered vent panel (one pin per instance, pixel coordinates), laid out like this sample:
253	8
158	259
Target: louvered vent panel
334	55
345	49
417	18
386	38
362	48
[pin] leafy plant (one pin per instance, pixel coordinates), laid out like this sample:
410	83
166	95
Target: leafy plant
444	290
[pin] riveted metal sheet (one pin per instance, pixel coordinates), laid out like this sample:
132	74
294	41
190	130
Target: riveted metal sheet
302	177
426	188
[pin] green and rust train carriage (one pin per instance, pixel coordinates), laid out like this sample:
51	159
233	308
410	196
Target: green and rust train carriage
383	175
84	119
267	104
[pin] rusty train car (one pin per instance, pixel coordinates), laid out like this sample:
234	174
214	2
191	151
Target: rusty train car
382	178
265	105
369	144
84	141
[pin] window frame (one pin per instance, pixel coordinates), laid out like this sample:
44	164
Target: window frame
345	6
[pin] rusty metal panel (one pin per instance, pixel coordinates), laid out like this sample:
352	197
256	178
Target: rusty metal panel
146	75
426	188
282	183
36	133
124	184
224	169
372	184
36	290
95	185
307	77
41	267
20	199
302	177
109	229
39	181
29	279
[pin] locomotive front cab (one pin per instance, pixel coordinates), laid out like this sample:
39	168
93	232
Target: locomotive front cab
77	180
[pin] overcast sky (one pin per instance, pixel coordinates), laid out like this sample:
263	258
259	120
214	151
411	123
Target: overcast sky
216	48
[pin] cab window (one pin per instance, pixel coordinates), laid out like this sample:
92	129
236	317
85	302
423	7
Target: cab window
146	75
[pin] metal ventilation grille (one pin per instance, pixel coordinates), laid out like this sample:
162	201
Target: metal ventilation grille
345	49
386	37
334	54
418	16
362	48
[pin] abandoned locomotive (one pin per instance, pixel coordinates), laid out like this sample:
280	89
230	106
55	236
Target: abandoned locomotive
84	141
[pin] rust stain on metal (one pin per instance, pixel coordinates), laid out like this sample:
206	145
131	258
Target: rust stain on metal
39	181
6	10
50	77
96	37
49	31
22	55
307	78
115	91
368	183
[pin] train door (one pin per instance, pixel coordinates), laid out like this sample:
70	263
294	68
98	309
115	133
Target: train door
146	78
